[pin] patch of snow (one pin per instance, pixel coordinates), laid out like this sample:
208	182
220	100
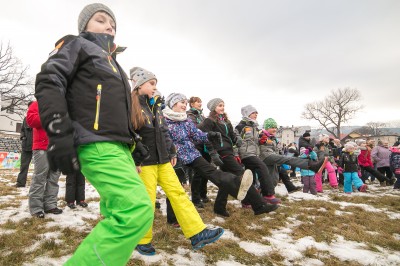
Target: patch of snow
47	261
229	235
253	226
218	219
339	213
255	248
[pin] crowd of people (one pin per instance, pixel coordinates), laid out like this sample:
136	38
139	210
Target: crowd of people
90	122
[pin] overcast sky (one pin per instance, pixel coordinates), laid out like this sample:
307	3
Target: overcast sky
275	55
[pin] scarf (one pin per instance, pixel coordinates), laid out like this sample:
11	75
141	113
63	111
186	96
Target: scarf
248	119
174	116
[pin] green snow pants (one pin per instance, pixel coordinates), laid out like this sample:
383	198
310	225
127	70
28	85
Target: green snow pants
124	203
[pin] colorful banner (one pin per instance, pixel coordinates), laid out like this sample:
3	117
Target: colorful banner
8	160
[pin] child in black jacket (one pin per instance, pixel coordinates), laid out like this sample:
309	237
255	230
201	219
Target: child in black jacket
348	164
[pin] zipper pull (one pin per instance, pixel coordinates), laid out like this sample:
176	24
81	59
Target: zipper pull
98	99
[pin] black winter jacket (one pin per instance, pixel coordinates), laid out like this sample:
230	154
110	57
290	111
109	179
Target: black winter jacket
82	79
303	142
26	136
195	115
227	133
155	134
349	162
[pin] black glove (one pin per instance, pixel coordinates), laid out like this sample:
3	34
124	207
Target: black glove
214	137
215	159
61	152
140	153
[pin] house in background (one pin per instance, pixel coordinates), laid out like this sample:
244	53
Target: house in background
10	125
288	135
10	122
391	138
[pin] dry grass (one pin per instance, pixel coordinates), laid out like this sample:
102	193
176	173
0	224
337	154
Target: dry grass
24	240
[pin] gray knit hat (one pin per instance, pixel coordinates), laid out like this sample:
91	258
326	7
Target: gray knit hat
248	110
212	104
139	76
173	98
88	12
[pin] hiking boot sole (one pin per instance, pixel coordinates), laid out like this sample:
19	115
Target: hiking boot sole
245	184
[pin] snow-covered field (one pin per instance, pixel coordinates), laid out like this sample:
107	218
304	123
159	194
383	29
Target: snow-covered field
277	241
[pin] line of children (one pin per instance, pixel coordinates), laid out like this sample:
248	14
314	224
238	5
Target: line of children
89	113
269	153
184	134
157	169
218	121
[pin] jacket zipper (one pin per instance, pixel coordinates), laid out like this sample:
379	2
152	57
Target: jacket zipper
109	57
98	100
112	66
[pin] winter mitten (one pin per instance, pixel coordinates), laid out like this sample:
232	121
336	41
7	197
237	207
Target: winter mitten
61	152
214	137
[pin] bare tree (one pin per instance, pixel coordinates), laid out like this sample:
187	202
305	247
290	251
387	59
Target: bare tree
337	108
376	127
16	87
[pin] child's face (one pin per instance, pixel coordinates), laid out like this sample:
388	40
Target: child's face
101	22
148	88
220	109
253	116
272	131
350	149
197	105
385	144
180	107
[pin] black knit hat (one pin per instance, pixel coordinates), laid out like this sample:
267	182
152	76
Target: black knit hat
307	134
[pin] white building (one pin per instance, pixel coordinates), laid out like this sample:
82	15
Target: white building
291	134
10	121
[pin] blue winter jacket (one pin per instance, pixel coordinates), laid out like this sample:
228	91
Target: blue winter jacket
185	135
313	156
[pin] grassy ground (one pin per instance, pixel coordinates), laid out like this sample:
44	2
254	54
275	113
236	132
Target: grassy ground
368	222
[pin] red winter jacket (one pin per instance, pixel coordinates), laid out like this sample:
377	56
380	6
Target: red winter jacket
364	159
40	139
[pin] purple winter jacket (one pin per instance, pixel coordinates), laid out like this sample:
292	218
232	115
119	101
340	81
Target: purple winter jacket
381	155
